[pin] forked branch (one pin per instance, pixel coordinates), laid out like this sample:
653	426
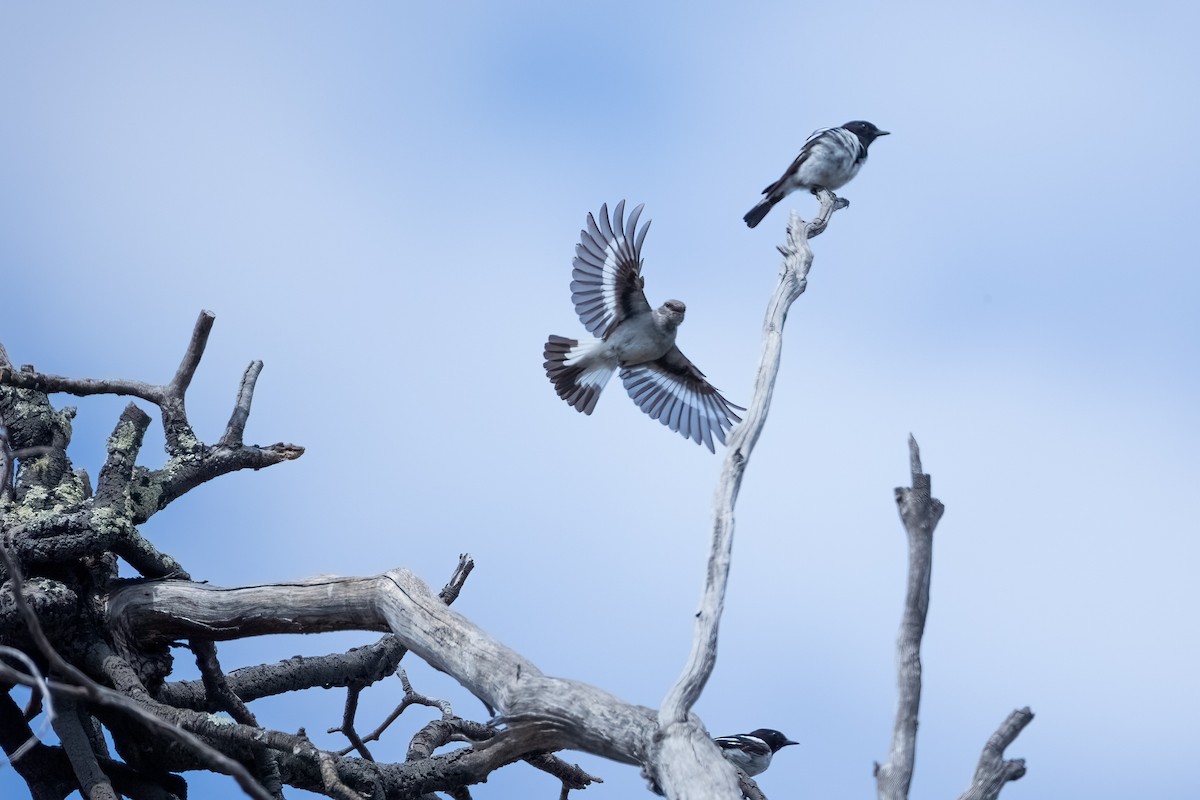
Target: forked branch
994	770
920	513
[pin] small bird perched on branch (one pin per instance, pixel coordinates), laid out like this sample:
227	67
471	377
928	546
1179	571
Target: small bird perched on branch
640	341
828	160
752	752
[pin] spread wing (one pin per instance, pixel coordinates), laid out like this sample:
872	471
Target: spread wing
607	285
672	391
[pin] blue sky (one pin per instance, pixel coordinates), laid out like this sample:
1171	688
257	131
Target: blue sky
382	202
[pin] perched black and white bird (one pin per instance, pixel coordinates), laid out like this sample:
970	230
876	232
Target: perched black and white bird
638	340
751	752
828	160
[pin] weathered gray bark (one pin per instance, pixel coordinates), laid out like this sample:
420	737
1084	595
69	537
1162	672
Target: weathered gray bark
920	512
993	770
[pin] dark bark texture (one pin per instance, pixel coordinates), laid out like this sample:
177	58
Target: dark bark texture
63	616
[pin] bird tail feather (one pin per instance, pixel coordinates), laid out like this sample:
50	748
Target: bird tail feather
577	378
756	214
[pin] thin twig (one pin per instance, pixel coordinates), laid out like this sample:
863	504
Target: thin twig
449	592
217	689
40	691
215	683
572	776
181	439
347	728
236	428
411	698
448	729
191	359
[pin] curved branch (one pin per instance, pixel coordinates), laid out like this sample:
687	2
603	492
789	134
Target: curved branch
550	713
80	387
360	665
153	491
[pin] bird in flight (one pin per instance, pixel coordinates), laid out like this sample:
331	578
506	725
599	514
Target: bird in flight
828	160
632	337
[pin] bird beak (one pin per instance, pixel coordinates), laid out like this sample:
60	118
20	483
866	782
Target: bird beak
883	133
789	741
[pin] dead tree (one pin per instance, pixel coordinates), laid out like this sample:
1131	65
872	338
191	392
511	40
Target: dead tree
95	648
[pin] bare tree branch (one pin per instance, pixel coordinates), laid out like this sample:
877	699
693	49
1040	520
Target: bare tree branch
80	387
93	783
49	774
749	788
191	462
39	696
330	779
993	770
95	693
191	359
216	685
156	489
793	279
366	665
920	512
123	447
45	769
410	698
571	775
241	408
347	727
217	689
74	538
8	461
542	712
450	591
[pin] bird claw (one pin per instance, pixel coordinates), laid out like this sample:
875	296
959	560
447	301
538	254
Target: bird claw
838	202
